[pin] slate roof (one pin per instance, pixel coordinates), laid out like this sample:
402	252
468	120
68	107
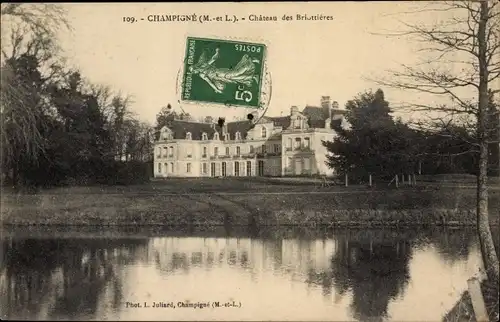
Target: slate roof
316	115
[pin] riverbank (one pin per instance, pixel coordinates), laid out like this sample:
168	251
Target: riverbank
259	202
463	310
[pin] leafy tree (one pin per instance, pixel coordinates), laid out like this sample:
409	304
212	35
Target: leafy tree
374	143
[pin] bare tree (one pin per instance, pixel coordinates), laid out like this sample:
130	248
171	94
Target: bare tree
464	58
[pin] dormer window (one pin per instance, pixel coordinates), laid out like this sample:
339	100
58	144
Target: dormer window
188	136
204	136
238	136
297	124
226	136
216	136
264	132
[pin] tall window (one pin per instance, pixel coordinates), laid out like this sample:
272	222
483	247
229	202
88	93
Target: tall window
216	136
204	152
238	136
224	169
204	137
307	163
165	166
159	167
264	132
171	154
204	168
249	168
252	150
236	168
216	151
172	167
227	150
297	143
188	168
307	143
165	152
276	148
238	150
159	153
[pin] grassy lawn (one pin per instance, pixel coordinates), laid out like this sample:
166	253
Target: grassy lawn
261	201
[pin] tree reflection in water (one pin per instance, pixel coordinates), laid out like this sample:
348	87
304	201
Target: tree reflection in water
373	265
64	278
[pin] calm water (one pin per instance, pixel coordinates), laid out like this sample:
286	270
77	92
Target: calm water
286	275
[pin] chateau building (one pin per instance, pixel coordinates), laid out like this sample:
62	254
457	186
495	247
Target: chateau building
274	146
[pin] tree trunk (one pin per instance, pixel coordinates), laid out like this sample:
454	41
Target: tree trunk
490	259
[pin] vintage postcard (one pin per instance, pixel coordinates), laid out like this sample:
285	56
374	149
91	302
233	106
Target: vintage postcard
250	161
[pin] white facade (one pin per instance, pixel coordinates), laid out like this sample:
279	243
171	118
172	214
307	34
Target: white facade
275	146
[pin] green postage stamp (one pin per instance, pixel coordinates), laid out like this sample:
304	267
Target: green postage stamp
223	72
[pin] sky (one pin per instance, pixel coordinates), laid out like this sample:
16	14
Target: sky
306	59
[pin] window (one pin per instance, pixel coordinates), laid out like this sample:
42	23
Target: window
238	136
216	136
159	153
264	132
238	150
226	136
172	167
188	136
252	150
212	169
307	143
204	155
159	167
227	150
249	168
297	123
165	152
297	143
237	169
224	169
204	136
216	151
204	168
307	163
188	168
276	148
171	154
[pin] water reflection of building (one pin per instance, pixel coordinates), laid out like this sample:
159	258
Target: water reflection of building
292	255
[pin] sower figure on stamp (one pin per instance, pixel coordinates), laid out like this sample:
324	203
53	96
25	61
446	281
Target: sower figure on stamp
243	73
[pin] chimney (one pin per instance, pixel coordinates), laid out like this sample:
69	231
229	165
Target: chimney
294	110
326	102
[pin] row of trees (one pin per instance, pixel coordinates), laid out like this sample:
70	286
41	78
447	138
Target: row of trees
56	126
377	144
